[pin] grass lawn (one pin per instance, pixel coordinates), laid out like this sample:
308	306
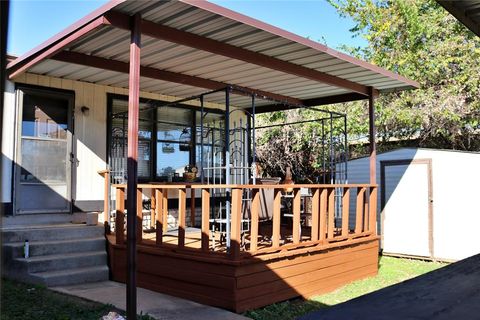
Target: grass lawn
24	301
392	270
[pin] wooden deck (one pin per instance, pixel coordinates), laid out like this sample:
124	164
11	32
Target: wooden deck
270	262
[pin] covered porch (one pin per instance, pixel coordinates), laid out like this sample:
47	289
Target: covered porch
222	237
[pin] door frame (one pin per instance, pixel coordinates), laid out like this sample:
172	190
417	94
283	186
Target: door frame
69	96
424	161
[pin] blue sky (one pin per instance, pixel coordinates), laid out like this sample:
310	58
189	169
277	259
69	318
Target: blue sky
34	21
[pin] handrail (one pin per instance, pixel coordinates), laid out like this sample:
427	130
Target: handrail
243	186
328	205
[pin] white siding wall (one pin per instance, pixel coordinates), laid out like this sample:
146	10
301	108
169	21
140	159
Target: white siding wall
456	201
90	131
359	172
456	204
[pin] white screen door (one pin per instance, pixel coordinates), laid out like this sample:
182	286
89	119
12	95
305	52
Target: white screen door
43	166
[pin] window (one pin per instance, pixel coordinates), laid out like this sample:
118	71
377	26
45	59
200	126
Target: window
118	139
44	146
168	139
174	142
213	152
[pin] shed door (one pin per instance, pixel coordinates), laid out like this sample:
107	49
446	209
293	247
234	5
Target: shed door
406	203
43	166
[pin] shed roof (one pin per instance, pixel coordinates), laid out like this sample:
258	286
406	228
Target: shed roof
402	149
190	45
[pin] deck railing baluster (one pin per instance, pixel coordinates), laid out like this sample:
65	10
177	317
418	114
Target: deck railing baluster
315	214
323	214
235	238
192	207
345	211
359	210
372	206
106	197
165	210
182	204
331	213
153	204
205	219
139	229
120	216
296	215
158	216
276	218
254	224
365	210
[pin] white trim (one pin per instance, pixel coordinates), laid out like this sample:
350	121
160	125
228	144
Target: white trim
8	142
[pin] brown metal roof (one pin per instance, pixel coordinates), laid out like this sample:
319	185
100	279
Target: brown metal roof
234	50
467	12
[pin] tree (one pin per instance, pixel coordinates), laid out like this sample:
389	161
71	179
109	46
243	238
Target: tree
421	41
302	142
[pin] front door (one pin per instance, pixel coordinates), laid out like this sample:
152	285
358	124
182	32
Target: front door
43	164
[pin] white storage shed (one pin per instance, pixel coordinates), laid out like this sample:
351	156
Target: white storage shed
428	201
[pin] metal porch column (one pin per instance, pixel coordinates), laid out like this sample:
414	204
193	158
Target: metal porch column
371	135
132	166
227	164
4	11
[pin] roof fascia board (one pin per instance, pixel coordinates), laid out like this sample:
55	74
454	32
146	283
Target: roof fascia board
173	35
64	33
153	73
55	48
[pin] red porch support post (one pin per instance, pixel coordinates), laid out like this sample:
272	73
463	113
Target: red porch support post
133	106
372	220
371	134
4	8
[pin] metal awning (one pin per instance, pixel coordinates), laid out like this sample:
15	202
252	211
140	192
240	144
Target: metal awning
467	12
189	46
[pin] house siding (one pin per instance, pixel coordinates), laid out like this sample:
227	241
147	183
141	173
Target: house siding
90	133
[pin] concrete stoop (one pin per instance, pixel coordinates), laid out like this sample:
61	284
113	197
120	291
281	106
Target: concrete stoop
64	254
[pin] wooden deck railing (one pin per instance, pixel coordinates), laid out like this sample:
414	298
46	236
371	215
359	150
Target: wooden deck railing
331	220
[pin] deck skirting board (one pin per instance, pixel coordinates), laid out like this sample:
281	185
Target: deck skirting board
253	284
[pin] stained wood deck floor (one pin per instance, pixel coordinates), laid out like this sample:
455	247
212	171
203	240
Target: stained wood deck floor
193	237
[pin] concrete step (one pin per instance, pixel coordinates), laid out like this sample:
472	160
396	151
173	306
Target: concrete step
36	219
51	233
42	248
60	254
71	276
65	261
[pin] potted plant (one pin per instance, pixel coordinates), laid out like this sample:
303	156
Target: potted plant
190	173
